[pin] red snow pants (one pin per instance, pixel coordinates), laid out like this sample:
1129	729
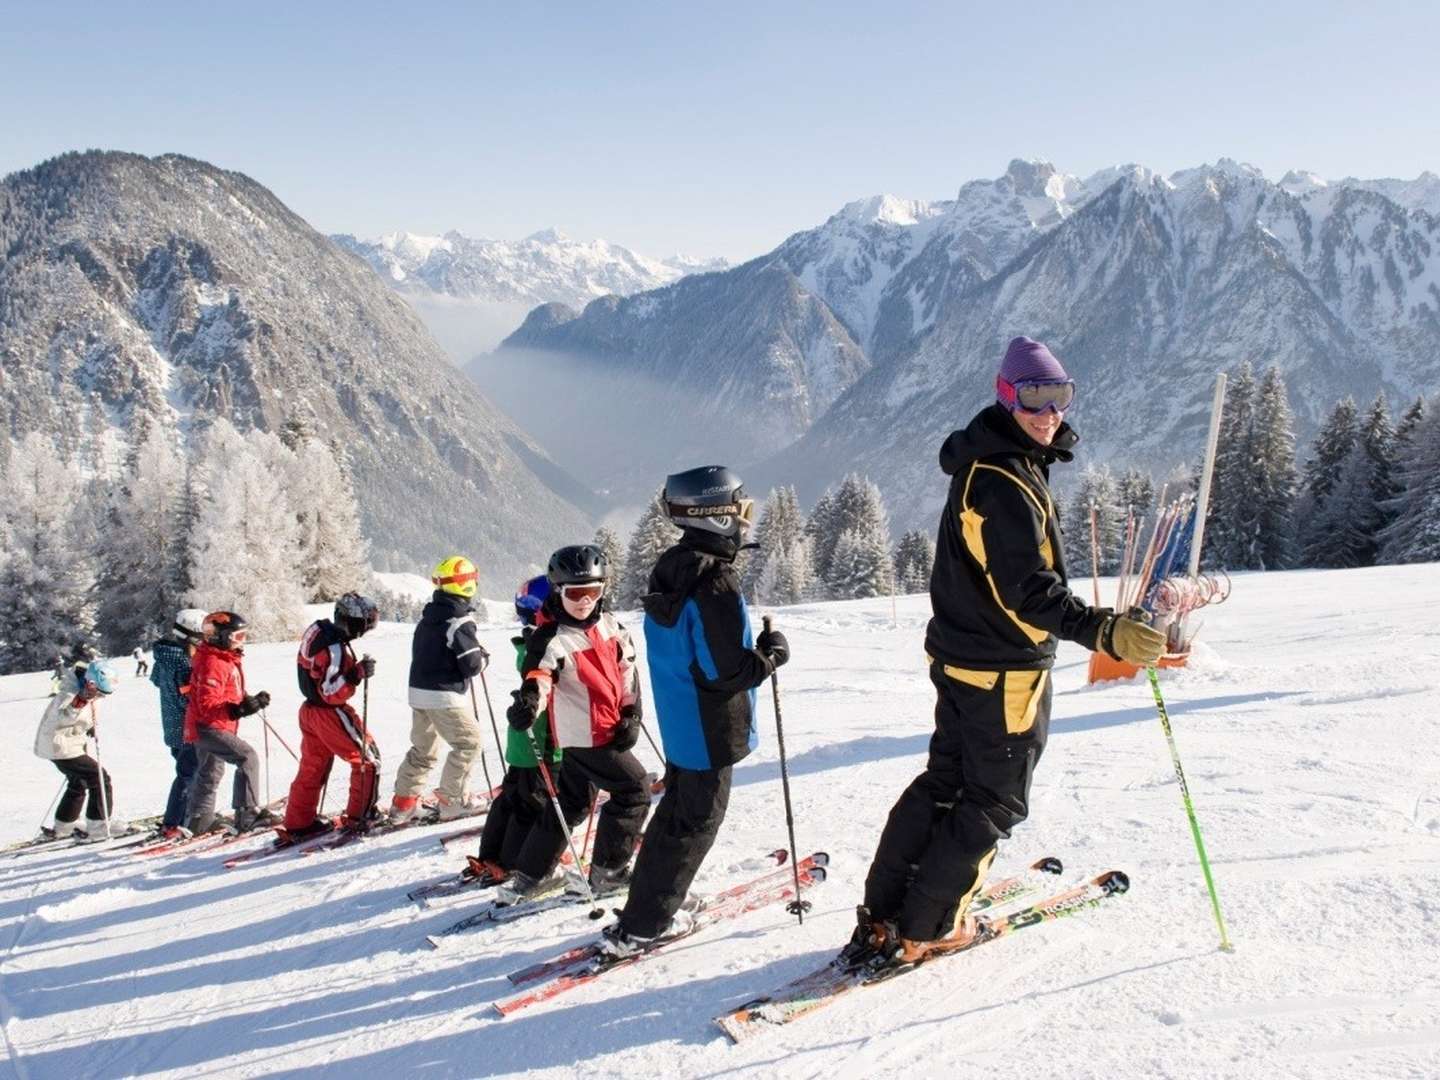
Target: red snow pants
328	732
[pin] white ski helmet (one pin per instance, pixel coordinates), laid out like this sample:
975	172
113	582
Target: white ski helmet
189	625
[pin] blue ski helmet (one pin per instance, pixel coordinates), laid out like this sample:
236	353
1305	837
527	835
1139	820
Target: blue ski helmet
102	674
530	597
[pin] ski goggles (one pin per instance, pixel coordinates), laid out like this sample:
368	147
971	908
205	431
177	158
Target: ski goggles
583	592
1035	397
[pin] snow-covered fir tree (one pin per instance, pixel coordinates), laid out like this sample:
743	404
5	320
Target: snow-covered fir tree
1230	525
1274	480
246	547
788	575
862	566
914	558
608	541
47	579
822	531
1377	436
1413	534
1135	494
1346	526
333	555
139	553
1328	452
1096	491
654	532
1405	429
778	533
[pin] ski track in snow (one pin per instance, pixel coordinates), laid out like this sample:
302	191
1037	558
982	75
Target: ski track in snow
1306	723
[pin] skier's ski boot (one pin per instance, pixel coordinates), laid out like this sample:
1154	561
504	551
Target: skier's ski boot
174	832
483	871
319	827
252	820
63	830
96	830
520	886
405	807
872	942
607	882
908	953
617	943
467	806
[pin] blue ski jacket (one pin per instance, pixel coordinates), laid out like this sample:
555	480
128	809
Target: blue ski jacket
703	665
170	672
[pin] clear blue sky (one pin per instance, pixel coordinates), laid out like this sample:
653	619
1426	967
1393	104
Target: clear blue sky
715	128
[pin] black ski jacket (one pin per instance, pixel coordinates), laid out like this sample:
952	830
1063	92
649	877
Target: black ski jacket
998	589
444	654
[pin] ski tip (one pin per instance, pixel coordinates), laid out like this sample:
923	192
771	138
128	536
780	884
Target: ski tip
432	941
1049	865
817	874
781	856
1114	881
820	858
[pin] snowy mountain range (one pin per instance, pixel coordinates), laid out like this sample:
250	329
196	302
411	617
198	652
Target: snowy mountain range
896	312
137	292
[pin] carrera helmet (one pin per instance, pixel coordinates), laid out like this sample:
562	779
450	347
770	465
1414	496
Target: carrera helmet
710	498
355	614
189	626
579	564
225	630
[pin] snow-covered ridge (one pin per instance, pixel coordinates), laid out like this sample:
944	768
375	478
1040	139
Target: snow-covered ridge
545	267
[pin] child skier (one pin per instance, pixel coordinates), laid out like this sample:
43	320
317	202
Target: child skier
580	667
62	739
329	674
212	722
522	797
703	671
142	667
171	675
445	655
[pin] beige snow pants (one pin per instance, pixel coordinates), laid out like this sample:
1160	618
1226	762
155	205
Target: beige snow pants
428	727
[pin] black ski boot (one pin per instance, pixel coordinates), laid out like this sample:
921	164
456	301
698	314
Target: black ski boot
872	943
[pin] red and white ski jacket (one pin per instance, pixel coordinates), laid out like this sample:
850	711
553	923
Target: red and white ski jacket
585	675
216	682
326	665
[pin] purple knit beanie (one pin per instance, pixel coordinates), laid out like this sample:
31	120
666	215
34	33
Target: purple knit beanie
1030	361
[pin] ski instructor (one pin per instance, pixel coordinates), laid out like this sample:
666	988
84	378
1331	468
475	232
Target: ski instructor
1000	602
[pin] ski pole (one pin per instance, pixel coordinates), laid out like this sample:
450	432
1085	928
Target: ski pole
365	744
1225	945
100	772
796	907
651	740
596	911
499	746
269	727
484	765
64	784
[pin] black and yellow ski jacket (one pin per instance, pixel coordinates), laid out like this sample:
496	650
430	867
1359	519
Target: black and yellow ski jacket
998	589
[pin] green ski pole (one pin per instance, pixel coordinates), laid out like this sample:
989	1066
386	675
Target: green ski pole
1225	945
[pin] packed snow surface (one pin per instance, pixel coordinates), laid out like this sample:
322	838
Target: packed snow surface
1308	729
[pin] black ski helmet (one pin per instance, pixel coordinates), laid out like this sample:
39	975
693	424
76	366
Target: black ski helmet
355	614
710	498
225	630
579	564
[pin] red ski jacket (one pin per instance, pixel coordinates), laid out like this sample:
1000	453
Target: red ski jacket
216	683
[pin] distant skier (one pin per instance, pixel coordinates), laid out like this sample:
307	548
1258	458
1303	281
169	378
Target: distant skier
57	675
213	711
330	728
63	739
1000	599
445	654
579	667
703	670
522	797
142	666
171	675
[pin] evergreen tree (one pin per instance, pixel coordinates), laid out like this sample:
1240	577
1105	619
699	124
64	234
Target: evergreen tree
1405	430
1275	481
140	552
653	534
333	555
866	569
1097	490
1378	437
247	545
1231	521
1135	495
914	559
822	530
1331	446
47	580
788	575
608	541
780	529
1346	525
1413	534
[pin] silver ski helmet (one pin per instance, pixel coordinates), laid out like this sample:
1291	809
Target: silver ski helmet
710	498
355	614
578	564
189	625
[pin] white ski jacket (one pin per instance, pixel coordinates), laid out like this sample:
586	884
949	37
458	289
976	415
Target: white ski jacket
65	726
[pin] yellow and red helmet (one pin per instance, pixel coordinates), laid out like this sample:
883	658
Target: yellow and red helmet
456	575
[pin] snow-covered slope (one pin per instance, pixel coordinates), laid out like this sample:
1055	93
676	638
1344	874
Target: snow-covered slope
1306	724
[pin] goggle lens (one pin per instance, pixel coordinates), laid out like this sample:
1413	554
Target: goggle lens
582	592
1036	397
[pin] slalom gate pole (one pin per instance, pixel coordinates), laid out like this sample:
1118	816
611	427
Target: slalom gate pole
100	769
1225	945
796	907
596	911
484	764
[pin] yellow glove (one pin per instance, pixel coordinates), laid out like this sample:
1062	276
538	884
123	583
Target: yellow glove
1132	641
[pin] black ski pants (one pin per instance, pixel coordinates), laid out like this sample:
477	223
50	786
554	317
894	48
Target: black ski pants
621	818
186	762
521	802
677	840
83	777
216	749
937	846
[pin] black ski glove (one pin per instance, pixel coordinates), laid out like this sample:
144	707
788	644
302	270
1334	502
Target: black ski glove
627	732
249	705
364	669
773	646
526	706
